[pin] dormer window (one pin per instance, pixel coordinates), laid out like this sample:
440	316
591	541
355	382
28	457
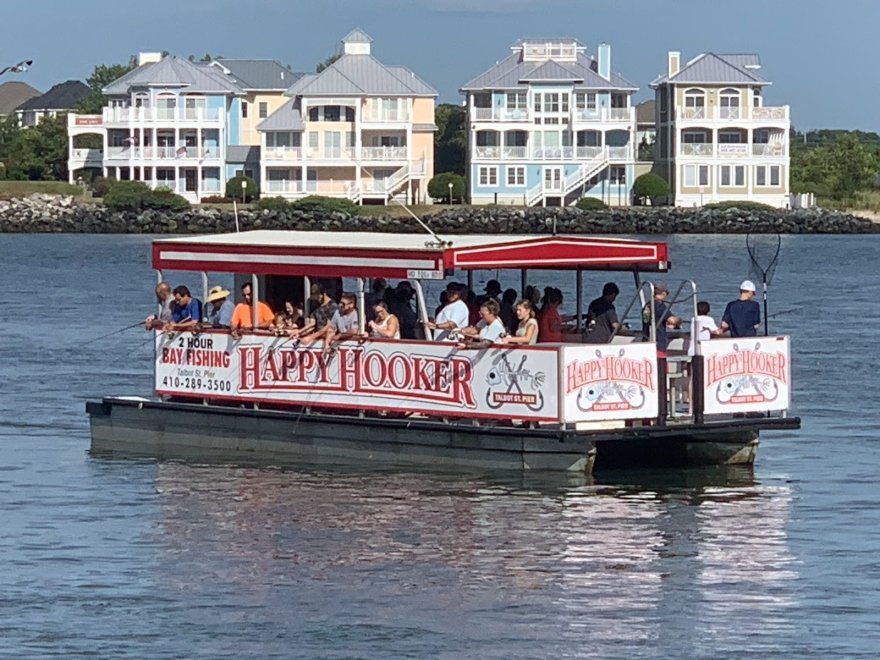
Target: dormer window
728	101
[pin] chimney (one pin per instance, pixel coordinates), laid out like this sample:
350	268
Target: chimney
673	63
148	58
604	53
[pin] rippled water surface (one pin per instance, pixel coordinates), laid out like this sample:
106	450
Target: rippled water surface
142	559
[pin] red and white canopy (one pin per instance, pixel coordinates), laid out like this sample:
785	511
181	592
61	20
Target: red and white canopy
411	256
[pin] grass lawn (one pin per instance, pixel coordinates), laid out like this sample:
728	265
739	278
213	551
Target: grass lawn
9	189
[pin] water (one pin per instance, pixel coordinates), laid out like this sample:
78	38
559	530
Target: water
137	558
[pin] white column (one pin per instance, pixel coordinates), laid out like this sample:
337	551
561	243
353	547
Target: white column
358	144
70	158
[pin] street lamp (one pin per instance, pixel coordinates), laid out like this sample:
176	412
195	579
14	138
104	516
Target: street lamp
21	67
244	191
450	192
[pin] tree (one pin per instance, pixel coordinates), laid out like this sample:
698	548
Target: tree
10	134
438	187
41	151
207	57
652	186
327	62
234	188
450	140
853	167
102	75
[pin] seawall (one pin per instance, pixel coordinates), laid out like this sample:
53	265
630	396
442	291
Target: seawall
54	214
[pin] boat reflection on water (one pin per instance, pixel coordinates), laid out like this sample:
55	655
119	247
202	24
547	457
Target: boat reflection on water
680	559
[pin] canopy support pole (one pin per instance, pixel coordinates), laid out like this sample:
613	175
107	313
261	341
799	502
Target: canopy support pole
255	297
523	282
422	309
362	309
307	295
204	291
579	292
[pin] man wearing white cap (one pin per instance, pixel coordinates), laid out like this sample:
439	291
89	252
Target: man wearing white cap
221	308
742	316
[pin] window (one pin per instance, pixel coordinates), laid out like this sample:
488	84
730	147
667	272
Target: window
733	175
551	102
537	101
694	104
488	176
244	109
585	100
618	101
694	137
331	113
618	174
768	175
696	175
313	139
516	101
247	173
263	109
349	114
313	114
760	175
756	98
729	103
761	136
774	175
516	176
730	137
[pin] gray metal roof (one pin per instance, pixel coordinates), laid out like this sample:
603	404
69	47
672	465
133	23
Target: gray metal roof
512	73
174	71
361	75
242	153
285	118
259	74
709	68
551	71
744	60
357	36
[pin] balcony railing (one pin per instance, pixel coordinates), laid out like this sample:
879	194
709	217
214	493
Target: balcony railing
500	114
94	156
619	153
330	153
283	153
393	117
180	153
735	114
383	153
284	186
549	153
738	150
148	114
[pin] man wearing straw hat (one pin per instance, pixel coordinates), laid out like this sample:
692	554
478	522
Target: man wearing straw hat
219	314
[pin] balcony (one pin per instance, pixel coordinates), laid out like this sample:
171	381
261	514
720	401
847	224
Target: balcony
738	150
330	153
283	187
162	115
282	153
383	153
86	158
164	153
392	117
500	114
735	114
589	115
550	153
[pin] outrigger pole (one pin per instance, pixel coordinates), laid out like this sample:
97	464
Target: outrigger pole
758	254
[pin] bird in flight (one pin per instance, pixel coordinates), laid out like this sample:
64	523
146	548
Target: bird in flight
21	67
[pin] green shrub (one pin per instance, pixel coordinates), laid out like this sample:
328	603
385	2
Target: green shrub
591	204
320	204
743	205
233	188
651	186
137	195
101	186
274	204
216	199
438	187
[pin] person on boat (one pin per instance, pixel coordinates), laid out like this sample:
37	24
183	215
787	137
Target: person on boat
492	291
549	320
453	316
242	315
378	292
219	308
742	316
444	300
290	319
508	313
384	325
187	310
490	329
661	312
533	295
166	302
602	318
320	316
398	303
527	331
706	327
342	325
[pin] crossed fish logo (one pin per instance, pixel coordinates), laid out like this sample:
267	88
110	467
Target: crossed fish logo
610	391
744	385
514	378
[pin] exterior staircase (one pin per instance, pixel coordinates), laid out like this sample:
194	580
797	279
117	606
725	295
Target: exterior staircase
584	172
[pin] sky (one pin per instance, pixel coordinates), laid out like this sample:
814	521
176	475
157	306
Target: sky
820	55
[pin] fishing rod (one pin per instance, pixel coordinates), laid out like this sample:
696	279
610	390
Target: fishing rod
110	334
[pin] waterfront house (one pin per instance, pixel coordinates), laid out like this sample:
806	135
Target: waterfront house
550	124
359	129
179	124
61	98
12	94
716	138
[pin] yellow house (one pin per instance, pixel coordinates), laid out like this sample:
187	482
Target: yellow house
716	139
359	129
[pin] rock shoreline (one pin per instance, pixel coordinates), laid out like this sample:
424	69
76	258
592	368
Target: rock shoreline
55	214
